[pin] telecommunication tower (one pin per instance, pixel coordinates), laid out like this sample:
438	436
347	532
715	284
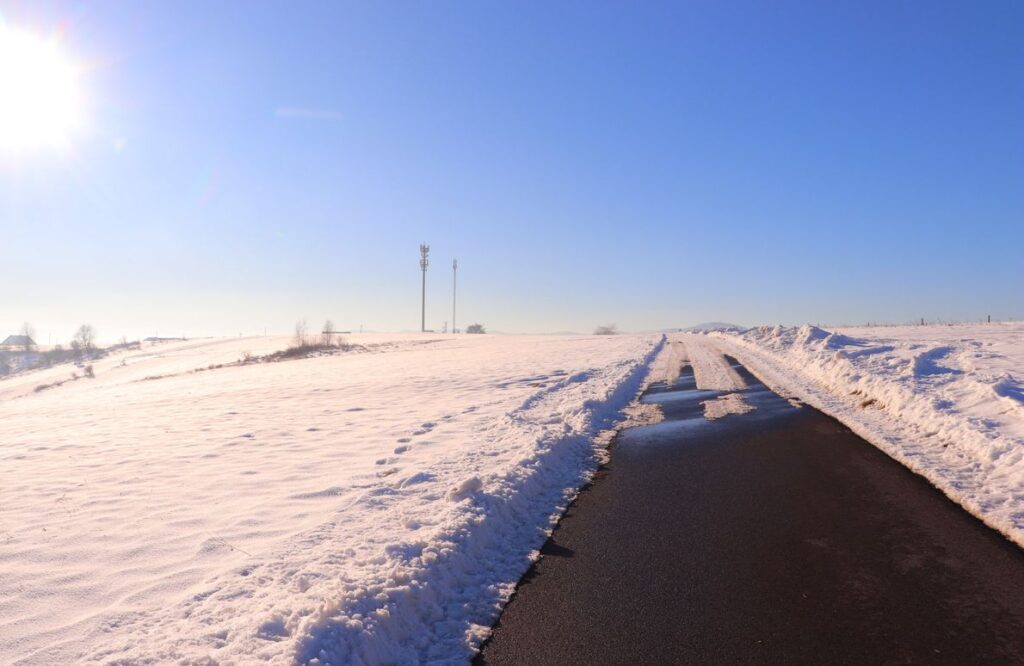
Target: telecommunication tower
424	262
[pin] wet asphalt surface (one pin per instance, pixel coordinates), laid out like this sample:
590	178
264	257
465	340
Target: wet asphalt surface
774	537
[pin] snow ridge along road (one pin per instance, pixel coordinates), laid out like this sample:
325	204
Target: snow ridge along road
377	506
946	401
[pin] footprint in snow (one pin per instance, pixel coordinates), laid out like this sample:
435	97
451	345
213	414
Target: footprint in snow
425	428
402	449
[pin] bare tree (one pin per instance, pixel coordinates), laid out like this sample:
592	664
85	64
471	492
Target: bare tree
327	337
28	333
301	333
476	328
85	339
606	329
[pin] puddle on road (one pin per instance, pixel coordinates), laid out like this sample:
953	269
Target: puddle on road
683	407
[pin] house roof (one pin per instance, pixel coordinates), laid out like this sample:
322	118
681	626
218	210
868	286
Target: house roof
18	341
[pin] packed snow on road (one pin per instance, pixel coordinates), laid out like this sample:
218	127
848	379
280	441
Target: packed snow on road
373	506
946	401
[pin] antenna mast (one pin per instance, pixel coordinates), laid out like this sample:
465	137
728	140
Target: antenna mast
424	262
455	270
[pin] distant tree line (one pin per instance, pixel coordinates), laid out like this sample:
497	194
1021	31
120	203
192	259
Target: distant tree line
83	348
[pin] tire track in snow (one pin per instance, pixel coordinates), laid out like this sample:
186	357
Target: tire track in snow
710	368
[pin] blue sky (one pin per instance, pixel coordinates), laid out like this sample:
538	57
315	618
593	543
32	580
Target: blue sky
245	165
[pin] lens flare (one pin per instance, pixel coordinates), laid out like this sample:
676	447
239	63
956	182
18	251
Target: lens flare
40	96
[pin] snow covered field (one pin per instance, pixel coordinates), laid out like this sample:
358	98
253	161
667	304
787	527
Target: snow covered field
379	505
946	401
374	506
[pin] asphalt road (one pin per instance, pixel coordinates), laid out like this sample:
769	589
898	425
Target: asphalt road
772	537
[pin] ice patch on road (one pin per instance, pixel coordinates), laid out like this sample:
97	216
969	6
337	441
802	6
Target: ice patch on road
731	403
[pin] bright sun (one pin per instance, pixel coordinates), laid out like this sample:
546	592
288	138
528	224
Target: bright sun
40	99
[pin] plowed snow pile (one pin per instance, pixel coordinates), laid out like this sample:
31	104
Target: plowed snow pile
375	506
947	401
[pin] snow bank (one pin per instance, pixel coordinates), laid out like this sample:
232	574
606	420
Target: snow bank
946	401
372	507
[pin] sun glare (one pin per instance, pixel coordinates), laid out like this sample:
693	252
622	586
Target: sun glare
40	99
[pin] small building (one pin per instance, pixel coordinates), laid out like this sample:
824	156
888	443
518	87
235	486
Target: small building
17	343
